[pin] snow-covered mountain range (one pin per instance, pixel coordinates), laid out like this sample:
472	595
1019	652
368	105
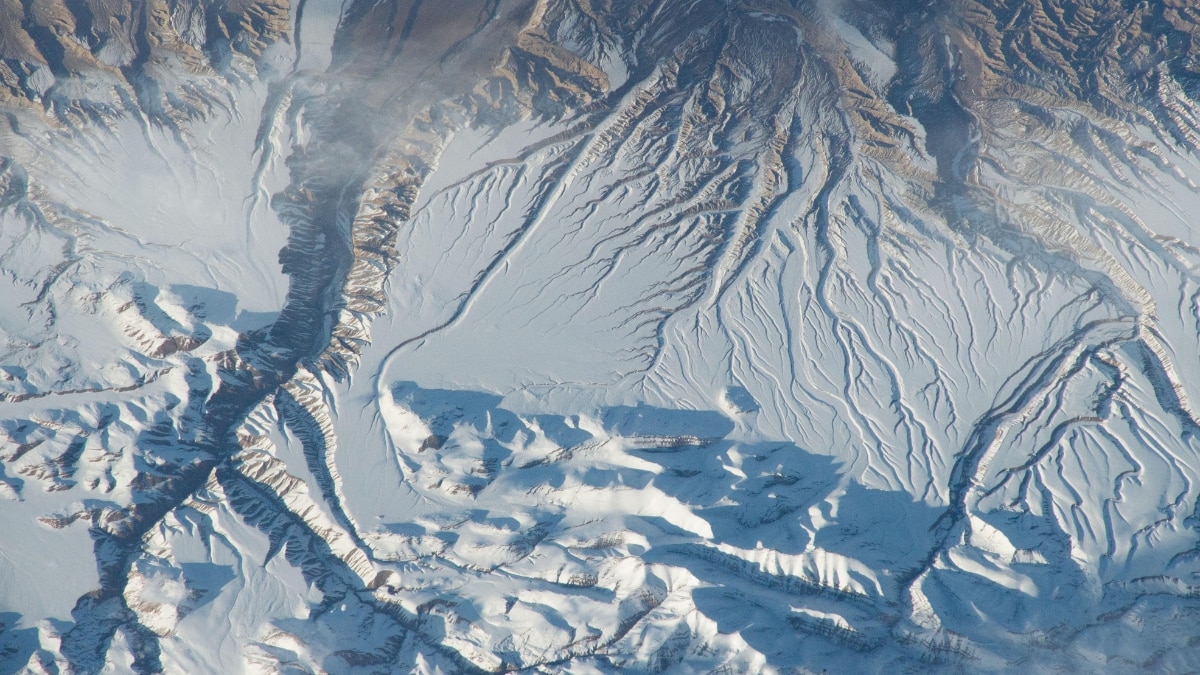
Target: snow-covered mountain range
599	336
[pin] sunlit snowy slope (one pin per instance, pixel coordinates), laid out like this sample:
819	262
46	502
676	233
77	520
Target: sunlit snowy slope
595	336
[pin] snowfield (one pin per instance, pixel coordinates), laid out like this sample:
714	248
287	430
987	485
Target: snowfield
583	337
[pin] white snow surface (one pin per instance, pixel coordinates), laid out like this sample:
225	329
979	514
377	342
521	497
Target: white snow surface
682	385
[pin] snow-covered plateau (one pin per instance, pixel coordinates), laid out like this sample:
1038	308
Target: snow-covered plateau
599	336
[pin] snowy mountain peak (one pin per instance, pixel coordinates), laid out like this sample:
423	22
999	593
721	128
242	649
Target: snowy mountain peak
580	337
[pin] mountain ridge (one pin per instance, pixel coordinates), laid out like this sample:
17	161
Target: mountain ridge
663	336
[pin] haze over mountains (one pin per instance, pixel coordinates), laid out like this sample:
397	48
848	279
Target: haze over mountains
599	336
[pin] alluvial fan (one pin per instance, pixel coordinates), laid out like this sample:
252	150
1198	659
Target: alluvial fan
599	336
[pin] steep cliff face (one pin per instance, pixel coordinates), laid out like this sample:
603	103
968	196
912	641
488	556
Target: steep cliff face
94	60
598	336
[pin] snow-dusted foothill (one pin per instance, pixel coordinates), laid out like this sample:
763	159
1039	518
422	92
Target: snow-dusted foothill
590	337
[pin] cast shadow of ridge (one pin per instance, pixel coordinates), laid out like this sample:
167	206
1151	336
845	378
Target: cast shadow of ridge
751	494
784	527
799	563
